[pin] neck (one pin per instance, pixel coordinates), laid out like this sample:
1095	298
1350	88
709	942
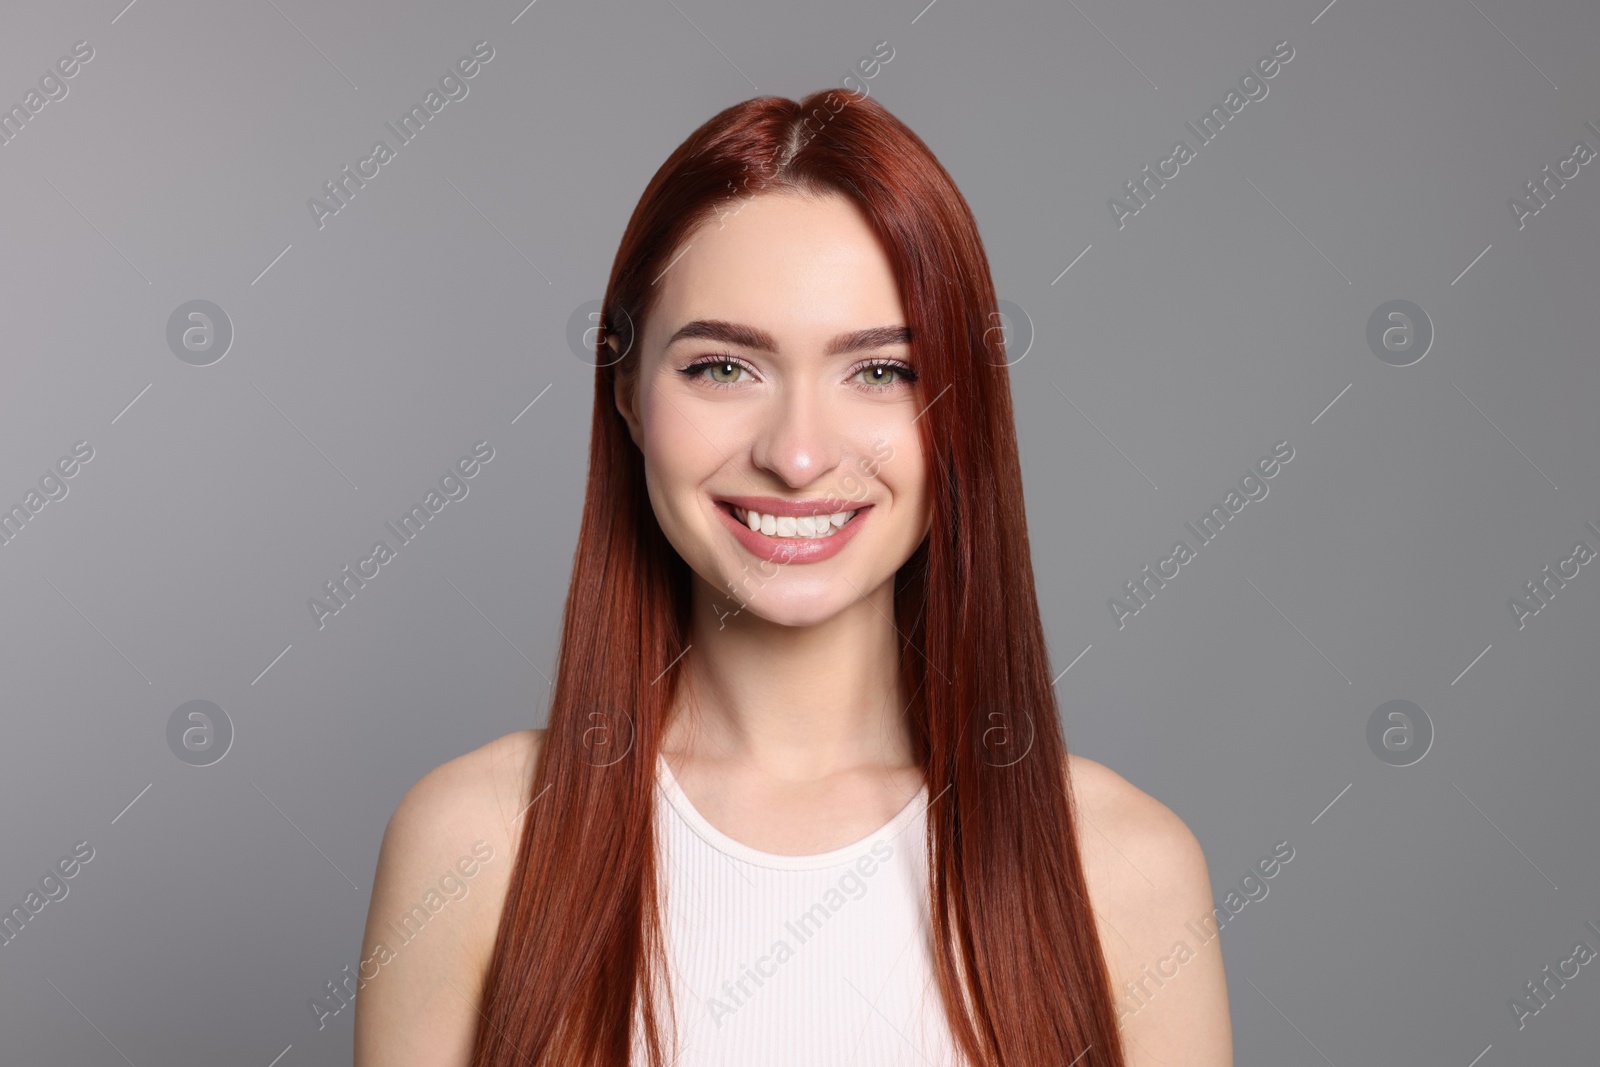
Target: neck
792	702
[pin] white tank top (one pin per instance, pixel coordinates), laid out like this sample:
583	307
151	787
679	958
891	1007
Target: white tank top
786	961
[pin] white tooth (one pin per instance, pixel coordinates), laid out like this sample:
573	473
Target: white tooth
793	525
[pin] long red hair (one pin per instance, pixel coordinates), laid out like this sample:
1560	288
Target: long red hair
1016	951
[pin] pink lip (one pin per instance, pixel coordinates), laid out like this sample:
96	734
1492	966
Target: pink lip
791	549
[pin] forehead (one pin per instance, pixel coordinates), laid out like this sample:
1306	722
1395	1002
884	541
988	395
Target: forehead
801	268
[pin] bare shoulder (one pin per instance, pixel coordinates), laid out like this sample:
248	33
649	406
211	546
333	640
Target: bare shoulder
1114	804
1150	890
441	880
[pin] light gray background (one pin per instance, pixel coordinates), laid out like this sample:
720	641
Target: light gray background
1228	315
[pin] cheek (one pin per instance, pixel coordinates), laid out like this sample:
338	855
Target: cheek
896	459
678	461
671	447
679	435
904	471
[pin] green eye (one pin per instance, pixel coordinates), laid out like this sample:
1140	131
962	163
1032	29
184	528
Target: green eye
724	372
889	367
718	366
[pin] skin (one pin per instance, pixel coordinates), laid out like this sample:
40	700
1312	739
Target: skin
789	734
795	737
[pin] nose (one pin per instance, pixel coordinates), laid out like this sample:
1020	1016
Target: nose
800	440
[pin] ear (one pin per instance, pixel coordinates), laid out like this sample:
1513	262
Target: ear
624	394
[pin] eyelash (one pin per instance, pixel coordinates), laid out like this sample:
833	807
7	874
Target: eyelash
908	375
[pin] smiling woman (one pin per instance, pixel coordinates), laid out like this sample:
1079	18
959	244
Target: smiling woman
799	389
808	387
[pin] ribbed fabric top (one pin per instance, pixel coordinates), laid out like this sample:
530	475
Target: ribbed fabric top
784	961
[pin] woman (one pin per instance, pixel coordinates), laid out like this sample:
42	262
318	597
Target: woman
803	796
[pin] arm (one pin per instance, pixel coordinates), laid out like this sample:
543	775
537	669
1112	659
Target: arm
1151	892
440	885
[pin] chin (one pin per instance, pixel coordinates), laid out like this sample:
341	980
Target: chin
798	616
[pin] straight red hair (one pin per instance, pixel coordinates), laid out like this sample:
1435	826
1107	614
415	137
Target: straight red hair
579	959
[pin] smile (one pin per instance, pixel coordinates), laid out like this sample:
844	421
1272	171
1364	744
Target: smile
805	526
793	538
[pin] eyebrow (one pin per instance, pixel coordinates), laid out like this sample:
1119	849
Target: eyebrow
735	333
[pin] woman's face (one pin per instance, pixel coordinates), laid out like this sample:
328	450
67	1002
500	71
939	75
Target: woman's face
774	365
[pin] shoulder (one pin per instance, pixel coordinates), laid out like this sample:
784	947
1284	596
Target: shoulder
1122	814
489	781
1150	889
440	885
1140	859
